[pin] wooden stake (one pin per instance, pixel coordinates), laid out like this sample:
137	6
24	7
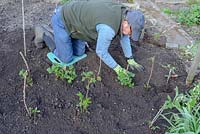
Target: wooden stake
193	68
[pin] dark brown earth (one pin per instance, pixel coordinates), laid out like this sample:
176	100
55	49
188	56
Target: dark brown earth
114	109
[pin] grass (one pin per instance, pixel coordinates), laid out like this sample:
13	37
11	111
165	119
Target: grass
186	119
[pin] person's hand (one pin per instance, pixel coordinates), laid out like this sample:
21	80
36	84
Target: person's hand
119	69
133	64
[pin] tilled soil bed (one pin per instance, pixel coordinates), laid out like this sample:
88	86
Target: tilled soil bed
114	110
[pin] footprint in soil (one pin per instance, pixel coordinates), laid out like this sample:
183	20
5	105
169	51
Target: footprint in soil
166	88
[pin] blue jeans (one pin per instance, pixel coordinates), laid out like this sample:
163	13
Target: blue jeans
66	46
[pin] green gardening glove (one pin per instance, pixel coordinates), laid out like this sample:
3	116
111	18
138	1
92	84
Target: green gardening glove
133	64
119	69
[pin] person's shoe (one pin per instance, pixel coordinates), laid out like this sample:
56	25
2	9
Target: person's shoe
39	35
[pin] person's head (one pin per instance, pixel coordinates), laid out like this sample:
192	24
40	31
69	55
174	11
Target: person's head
133	24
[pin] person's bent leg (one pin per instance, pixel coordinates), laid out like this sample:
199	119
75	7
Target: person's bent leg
78	47
63	42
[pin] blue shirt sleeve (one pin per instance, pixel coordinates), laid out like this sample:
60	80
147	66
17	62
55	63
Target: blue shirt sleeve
105	36
126	45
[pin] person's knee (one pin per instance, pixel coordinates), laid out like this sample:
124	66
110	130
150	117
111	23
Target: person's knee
79	52
65	59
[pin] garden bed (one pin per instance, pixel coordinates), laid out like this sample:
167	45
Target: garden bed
114	110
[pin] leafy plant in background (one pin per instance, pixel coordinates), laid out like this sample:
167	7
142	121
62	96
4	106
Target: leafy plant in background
84	102
67	73
125	78
64	1
188	52
167	11
23	73
190	16
130	1
192	2
186	119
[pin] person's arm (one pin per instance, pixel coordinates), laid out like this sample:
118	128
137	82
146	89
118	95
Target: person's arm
126	46
105	36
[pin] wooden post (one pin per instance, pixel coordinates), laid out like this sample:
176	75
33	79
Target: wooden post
194	67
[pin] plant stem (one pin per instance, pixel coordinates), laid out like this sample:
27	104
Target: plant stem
24	96
87	92
127	67
25	61
24	33
169	75
157	115
99	67
152	67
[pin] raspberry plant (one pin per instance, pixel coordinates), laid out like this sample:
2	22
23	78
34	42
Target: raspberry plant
24	73
67	73
89	77
84	102
125	78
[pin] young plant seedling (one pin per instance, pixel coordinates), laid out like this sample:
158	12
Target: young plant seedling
171	71
67	73
24	73
98	74
84	102
34	112
89	77
125	78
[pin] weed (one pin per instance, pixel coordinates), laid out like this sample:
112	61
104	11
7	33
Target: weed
126	78
187	116
67	73
24	73
84	102
89	77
